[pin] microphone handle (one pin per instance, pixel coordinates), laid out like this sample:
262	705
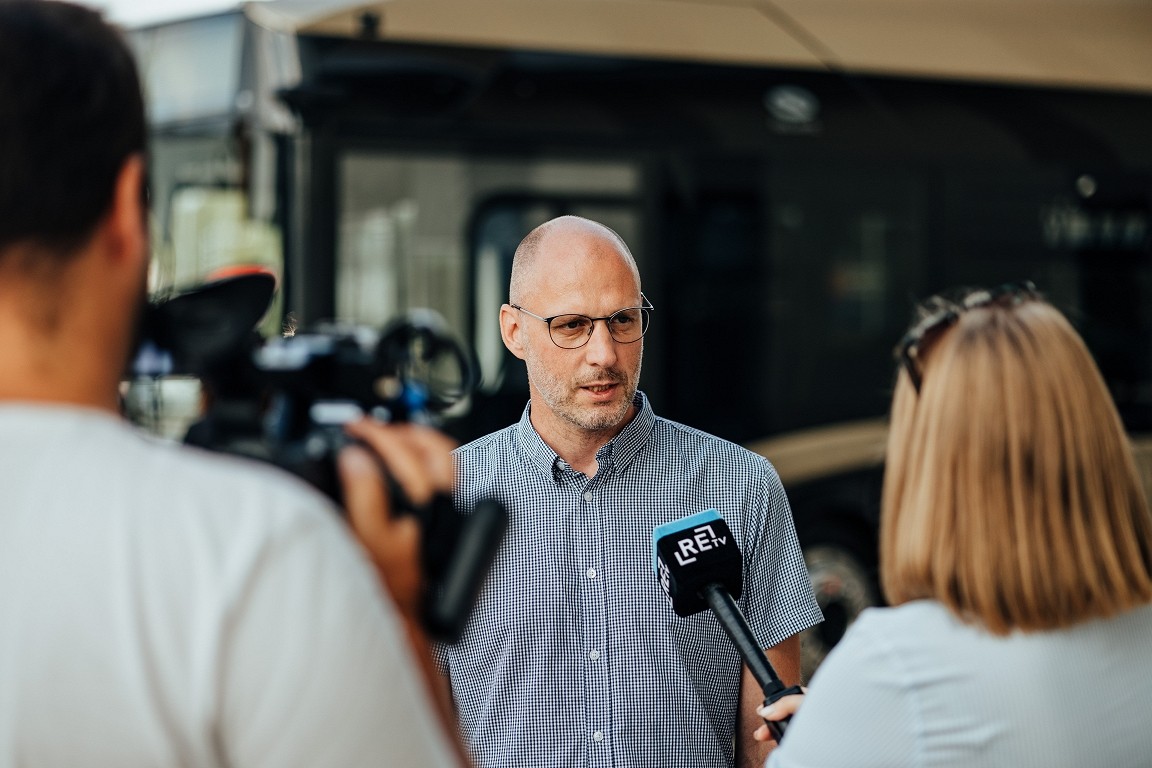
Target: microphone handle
736	627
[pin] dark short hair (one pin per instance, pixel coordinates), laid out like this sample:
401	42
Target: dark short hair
71	113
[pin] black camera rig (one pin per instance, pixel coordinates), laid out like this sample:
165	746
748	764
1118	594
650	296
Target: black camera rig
285	401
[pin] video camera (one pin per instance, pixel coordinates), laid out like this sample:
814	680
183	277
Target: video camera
285	401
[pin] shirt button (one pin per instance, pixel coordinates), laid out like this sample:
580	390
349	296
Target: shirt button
594	655
598	736
591	573
588	496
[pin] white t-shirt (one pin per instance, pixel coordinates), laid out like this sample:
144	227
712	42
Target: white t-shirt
914	686
162	606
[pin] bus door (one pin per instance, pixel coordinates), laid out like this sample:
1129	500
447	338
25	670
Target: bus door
1109	233
713	258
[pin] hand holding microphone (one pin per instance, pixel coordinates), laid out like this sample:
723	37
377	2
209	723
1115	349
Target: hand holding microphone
780	710
699	565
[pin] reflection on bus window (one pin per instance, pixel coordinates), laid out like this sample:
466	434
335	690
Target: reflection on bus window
210	233
404	219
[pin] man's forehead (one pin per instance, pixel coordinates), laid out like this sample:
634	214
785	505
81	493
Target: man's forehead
573	240
576	260
568	269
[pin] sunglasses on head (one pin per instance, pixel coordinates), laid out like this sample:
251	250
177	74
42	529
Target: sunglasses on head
944	314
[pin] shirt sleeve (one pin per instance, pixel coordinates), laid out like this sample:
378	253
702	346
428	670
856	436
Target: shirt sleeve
778	596
316	668
858	711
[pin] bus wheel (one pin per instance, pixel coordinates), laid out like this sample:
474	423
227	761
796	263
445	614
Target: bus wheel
843	589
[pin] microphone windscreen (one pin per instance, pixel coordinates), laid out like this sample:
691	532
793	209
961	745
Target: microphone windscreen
693	552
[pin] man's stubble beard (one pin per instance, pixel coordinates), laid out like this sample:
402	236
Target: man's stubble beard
560	398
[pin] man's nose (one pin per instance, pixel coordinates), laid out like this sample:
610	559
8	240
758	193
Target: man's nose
601	347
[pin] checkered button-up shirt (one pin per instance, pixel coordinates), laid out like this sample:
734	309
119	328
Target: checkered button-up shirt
573	656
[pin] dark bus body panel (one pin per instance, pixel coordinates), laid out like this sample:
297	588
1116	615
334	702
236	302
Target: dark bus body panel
786	255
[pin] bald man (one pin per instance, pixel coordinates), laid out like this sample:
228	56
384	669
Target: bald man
573	656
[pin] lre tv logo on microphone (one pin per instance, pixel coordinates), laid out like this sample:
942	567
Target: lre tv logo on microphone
689	545
701	539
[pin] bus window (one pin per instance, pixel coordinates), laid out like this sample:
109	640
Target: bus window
498	230
847	259
209	232
403	221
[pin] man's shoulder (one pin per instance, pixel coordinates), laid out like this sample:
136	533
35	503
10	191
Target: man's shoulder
677	436
162	491
123	453
237	471
209	485
493	442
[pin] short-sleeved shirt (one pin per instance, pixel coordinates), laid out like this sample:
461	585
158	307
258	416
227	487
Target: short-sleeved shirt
915	686
574	656
161	606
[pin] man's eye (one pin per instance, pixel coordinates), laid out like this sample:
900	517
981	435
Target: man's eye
625	319
570	324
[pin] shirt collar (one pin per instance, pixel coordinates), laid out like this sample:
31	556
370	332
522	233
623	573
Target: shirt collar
618	453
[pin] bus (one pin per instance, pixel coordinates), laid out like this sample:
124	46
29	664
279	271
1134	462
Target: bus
791	177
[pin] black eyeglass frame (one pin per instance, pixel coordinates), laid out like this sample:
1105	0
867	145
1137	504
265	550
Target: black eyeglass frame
645	321
947	313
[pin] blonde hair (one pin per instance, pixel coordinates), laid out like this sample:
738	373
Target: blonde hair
1011	494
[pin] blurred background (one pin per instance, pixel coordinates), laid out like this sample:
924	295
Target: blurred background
791	175
134	13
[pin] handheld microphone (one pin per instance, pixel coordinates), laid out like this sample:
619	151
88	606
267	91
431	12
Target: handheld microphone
699	565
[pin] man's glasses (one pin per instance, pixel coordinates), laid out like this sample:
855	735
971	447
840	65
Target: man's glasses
573	331
944	313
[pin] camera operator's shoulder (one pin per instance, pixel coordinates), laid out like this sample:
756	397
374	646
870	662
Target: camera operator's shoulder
190	532
231	520
207	484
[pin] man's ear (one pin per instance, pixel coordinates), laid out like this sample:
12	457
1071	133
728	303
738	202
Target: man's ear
510	330
126	227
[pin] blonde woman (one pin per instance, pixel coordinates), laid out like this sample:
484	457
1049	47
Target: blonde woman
1016	550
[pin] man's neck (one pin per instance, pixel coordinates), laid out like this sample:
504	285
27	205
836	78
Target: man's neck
45	376
575	445
69	361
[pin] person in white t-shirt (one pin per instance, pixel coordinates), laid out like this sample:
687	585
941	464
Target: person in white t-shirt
162	606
